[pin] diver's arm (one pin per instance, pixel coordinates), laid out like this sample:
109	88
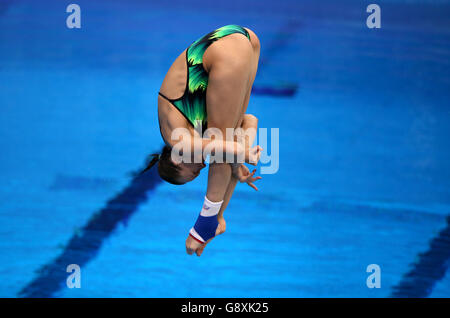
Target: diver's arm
200	147
240	152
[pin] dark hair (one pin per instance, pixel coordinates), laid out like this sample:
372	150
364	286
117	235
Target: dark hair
167	169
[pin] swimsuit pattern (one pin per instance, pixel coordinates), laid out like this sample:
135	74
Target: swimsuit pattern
193	102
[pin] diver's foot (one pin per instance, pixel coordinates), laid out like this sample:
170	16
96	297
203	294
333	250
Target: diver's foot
195	246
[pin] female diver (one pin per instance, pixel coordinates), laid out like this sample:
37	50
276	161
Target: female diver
208	86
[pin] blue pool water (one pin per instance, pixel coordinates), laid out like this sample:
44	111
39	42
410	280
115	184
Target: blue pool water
364	173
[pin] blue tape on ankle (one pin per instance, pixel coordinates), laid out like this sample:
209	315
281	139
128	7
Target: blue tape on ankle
206	226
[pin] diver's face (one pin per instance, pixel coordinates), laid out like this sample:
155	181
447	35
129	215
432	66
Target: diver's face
189	171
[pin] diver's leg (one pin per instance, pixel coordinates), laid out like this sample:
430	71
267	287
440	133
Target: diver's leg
228	95
228	85
229	192
218	113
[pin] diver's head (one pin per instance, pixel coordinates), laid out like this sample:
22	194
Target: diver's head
172	172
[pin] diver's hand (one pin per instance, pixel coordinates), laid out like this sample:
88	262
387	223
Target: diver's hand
242	173
252	155
194	246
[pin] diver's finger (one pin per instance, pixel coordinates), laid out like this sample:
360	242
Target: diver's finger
253	186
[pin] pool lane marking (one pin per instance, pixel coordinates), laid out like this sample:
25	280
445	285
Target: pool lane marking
279	42
430	268
85	244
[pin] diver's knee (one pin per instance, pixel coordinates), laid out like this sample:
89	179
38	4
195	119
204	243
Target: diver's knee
249	120
250	117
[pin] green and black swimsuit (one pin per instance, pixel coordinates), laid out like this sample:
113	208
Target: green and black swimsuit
192	104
